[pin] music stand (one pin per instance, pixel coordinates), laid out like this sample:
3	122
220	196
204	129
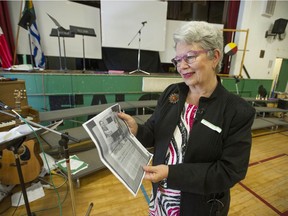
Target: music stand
13	145
63	142
139	49
62	33
84	32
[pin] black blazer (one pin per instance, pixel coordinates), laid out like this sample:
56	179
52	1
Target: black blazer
217	154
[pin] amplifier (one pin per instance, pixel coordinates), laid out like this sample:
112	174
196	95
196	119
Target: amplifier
283	104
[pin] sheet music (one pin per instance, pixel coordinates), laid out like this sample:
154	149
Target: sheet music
118	148
22	130
16	132
54	20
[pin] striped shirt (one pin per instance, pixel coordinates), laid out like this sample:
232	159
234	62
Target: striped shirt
167	201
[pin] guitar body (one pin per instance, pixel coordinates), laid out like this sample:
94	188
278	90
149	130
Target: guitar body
30	160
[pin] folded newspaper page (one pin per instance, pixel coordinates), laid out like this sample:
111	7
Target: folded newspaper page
118	148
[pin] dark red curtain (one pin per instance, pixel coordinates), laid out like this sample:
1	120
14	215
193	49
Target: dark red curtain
231	23
6	25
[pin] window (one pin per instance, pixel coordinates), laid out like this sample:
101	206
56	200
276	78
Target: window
210	11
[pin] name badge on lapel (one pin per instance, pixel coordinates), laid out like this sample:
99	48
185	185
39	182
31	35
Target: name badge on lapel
211	126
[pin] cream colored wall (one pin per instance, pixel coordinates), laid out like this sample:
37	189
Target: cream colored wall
250	17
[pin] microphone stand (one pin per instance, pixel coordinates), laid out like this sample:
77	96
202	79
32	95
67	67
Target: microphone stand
64	143
139	50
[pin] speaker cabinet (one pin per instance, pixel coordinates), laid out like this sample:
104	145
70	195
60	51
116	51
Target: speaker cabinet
279	26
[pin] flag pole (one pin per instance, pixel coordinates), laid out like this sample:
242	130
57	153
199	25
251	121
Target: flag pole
17	35
30	46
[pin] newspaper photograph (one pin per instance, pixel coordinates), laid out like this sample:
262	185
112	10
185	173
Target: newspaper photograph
118	148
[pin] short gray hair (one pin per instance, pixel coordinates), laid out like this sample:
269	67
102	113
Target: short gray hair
207	35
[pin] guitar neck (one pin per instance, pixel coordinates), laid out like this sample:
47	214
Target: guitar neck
18	106
19	95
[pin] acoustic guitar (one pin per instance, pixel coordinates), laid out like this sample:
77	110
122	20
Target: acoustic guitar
30	160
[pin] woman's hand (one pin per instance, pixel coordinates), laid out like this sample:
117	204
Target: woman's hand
156	173
133	126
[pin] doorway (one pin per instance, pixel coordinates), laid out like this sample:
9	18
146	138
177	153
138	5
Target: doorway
280	76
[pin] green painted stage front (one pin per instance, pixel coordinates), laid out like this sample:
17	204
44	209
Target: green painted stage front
85	89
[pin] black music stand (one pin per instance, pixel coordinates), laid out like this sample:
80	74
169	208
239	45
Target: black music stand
16	143
62	142
84	32
62	33
13	145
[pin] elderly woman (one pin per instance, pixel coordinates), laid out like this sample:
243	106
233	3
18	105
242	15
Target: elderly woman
201	133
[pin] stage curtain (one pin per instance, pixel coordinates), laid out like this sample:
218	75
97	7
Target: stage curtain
6	25
127	60
231	23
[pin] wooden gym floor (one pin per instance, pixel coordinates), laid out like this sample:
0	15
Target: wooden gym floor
264	192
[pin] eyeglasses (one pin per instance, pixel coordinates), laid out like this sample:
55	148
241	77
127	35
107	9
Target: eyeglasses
189	57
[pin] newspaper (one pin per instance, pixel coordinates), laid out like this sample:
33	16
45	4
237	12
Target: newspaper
118	148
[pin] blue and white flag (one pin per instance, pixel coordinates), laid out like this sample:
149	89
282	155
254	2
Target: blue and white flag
28	21
37	52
